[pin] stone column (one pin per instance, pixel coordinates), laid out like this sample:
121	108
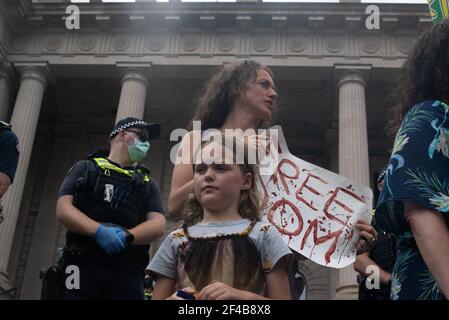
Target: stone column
353	136
43	246
5	97
24	122
353	153
332	148
133	95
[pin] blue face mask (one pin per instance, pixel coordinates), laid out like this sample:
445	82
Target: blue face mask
138	150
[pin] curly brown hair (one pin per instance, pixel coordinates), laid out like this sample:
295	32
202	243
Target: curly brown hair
220	92
425	74
250	201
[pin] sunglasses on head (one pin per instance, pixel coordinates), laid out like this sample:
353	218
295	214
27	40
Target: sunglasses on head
142	135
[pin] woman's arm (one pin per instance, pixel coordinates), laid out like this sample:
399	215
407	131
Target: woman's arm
432	237
182	183
181	187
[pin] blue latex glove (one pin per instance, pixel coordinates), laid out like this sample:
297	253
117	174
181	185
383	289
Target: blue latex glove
109	240
122	235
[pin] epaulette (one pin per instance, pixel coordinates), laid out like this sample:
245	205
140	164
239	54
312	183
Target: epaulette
144	169
98	154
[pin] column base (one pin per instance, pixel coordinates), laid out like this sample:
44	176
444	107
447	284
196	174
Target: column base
7	292
348	292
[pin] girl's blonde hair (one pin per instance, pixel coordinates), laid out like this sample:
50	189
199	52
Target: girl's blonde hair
250	201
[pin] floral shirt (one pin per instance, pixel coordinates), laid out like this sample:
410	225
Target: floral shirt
418	171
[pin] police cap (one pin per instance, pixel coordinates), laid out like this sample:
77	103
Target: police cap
153	129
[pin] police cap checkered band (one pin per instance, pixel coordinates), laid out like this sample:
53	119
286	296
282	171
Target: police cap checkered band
153	129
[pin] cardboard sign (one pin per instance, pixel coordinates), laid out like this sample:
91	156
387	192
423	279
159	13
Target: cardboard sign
314	209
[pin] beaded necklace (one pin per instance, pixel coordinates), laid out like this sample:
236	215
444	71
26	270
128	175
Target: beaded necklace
244	233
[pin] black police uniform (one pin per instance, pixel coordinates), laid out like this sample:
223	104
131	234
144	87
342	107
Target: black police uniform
111	195
9	150
9	154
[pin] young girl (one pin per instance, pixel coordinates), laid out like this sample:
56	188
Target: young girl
223	251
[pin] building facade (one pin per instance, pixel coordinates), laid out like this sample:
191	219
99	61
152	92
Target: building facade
62	90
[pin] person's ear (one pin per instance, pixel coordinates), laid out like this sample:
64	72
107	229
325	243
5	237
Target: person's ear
240	92
236	93
247	181
121	135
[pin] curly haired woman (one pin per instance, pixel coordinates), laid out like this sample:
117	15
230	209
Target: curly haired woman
418	172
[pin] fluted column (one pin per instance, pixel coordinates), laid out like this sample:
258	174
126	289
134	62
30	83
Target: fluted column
46	230
24	122
332	147
132	97
353	137
353	155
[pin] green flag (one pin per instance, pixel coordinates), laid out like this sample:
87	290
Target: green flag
439	10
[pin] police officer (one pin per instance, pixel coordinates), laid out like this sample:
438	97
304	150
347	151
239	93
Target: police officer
9	157
112	209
